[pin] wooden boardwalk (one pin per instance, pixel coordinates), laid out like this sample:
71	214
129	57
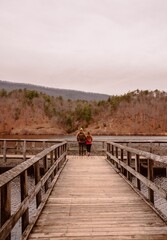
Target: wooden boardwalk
91	201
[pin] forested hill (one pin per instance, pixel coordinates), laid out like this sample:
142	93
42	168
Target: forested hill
135	113
56	92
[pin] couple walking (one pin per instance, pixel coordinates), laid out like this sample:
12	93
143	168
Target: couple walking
84	140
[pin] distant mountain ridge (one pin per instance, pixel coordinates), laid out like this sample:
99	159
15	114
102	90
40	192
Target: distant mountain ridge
65	93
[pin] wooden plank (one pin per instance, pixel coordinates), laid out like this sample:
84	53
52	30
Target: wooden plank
91	201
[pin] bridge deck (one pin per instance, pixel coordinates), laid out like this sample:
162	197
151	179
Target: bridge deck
91	201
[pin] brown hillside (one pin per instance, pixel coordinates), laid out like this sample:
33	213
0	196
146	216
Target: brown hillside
136	113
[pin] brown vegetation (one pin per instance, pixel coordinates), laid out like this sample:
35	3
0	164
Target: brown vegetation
135	113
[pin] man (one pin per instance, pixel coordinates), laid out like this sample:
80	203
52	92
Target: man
81	141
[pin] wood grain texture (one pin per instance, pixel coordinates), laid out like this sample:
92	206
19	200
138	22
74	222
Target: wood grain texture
91	201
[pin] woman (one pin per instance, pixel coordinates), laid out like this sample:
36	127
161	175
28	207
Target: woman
89	140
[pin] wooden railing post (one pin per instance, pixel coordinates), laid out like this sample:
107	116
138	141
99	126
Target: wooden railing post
64	150
60	152
24	194
37	179
58	155
129	163
24	150
108	149
137	168
52	162
65	147
55	159
116	154
150	177
112	149
4	150
103	145
45	163
6	205
122	159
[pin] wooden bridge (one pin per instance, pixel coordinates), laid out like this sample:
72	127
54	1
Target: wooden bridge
95	197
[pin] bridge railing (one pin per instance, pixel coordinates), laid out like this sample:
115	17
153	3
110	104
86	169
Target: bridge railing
51	161
128	160
23	148
99	147
158	147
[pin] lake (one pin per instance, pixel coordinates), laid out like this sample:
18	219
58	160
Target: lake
73	137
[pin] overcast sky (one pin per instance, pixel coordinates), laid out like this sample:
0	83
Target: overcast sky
103	46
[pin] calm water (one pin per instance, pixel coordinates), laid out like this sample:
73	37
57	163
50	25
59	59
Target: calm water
73	137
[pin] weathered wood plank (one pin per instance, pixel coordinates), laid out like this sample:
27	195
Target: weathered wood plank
91	201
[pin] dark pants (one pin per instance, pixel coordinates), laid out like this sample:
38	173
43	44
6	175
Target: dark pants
88	147
81	148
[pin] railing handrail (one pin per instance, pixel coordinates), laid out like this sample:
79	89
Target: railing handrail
139	141
8	176
152	156
30	140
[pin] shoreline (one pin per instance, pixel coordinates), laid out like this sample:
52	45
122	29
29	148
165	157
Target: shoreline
109	135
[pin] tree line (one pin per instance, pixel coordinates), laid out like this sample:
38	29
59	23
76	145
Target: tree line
136	112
